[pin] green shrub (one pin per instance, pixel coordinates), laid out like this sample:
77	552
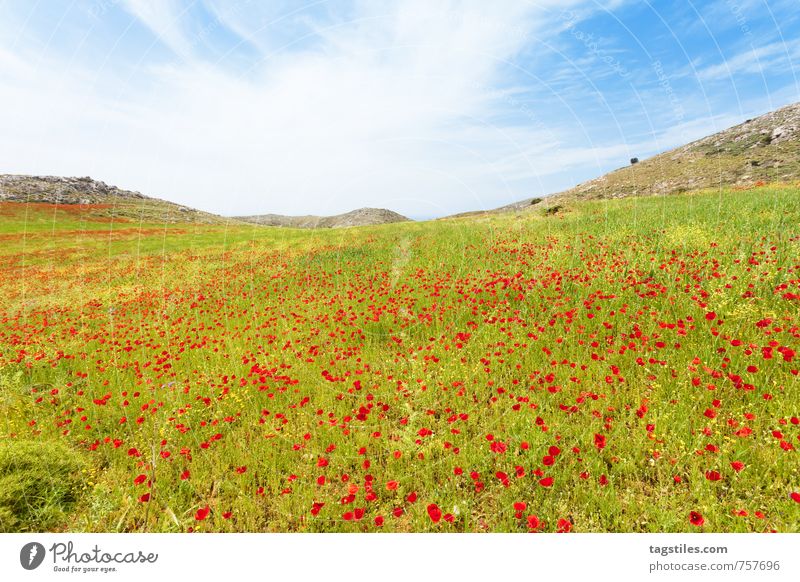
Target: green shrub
39	484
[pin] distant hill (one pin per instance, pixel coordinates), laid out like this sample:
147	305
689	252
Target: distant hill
98	198
766	149
360	217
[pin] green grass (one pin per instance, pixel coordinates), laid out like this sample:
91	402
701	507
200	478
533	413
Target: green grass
40	483
142	339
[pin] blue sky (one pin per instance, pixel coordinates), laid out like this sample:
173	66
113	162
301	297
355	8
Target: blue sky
424	107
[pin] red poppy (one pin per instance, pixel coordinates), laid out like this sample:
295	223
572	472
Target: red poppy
503	477
737	466
696	519
599	441
564	526
434	513
546	482
202	513
498	447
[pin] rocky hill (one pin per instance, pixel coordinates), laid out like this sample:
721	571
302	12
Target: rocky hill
765	149
360	217
98	198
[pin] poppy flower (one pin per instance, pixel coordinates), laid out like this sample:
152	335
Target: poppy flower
498	447
696	519
202	513
737	466
434	512
546	482
600	441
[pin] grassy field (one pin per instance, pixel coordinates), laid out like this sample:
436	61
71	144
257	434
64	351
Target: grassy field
625	366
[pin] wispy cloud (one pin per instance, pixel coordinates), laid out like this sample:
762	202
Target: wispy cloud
424	107
754	61
396	106
164	18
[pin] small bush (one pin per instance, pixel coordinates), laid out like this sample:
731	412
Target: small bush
39	484
553	210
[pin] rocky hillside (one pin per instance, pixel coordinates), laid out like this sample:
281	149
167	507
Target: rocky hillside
360	217
98	198
766	149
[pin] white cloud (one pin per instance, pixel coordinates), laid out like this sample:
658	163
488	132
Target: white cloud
754	61
398	105
386	109
163	18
